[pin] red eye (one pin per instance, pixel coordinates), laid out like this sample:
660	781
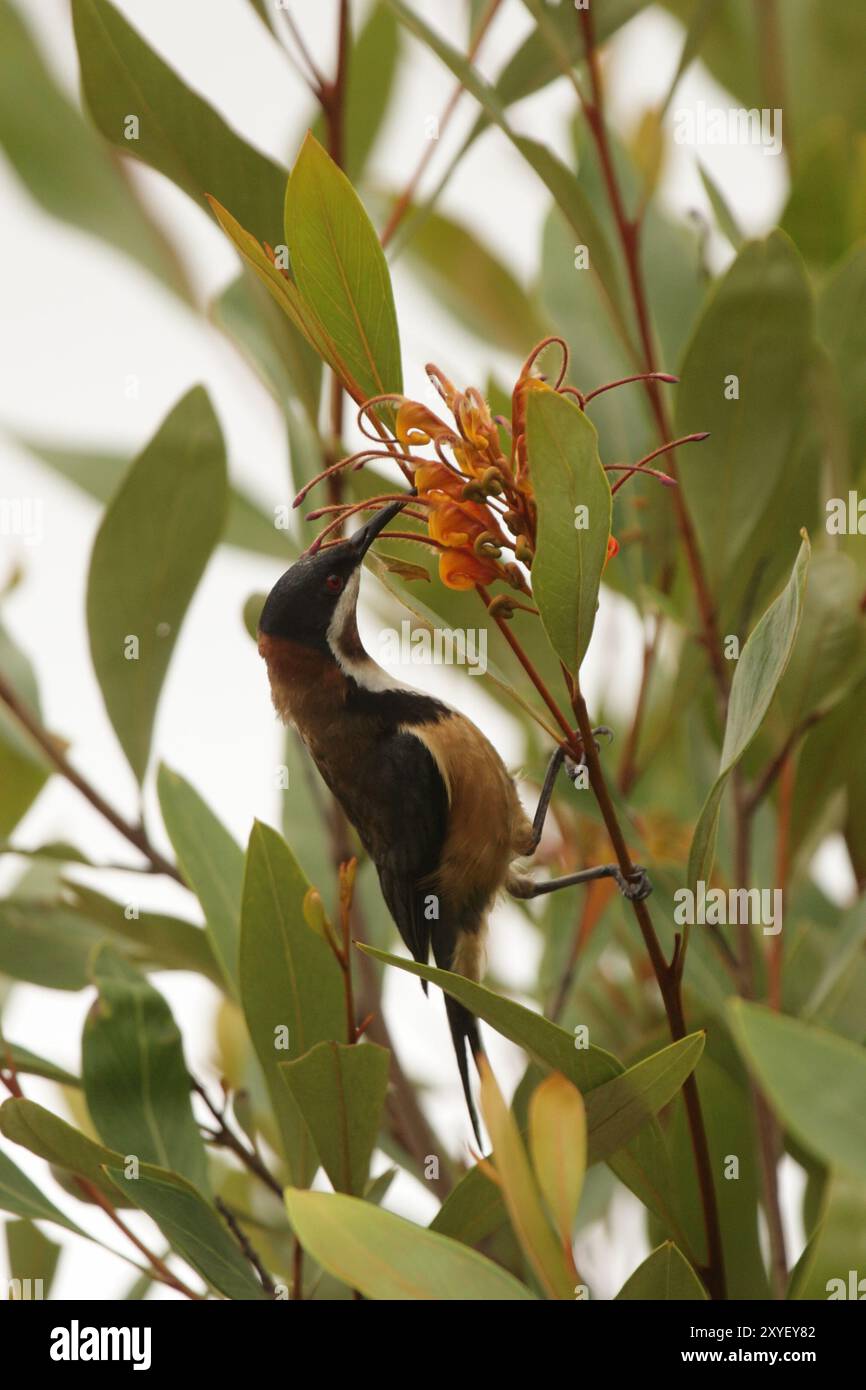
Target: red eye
333	583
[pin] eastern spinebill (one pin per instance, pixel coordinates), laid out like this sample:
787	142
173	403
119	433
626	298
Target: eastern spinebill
430	798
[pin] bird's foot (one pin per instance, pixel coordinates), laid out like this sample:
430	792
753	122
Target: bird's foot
637	886
572	767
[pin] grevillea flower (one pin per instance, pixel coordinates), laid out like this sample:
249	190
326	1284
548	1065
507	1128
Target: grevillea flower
470	474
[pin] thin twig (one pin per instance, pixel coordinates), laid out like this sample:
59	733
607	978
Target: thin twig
403	203
628	230
135	834
669	978
225	1138
245	1244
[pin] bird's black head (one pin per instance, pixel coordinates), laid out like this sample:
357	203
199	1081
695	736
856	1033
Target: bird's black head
321	588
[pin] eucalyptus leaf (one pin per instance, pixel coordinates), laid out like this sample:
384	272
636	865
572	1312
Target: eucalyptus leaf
341	271
759	670
177	133
62	161
192	1227
548	1256
574	511
642	1162
150	552
32	1257
291	986
742	376
135	1078
212	863
664	1276
410	1262
814	1080
340	1091
23	1198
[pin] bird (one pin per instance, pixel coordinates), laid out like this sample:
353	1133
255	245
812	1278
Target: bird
430	798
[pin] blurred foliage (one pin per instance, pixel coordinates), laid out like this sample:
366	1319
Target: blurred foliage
750	706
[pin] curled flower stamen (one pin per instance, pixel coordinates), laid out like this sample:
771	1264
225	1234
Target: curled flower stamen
526	369
626	380
363	416
662	449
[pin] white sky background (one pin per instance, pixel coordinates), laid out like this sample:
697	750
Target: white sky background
79	319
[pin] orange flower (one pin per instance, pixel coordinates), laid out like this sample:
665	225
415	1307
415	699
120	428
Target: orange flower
435	479
472	538
460	569
415	425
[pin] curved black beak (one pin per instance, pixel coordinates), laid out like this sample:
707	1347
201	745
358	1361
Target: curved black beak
364	537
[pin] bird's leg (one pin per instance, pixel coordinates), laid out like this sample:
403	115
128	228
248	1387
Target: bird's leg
543	806
558	757
636	887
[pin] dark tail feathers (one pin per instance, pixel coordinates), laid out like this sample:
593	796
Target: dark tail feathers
464	1029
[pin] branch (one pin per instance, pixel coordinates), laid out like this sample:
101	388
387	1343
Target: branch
669	978
135	834
404	201
629	235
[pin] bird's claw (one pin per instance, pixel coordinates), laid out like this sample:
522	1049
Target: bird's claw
573	767
637	886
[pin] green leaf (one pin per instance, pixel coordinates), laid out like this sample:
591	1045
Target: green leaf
848	939
557	1144
842	329
815	1081
756	326
557	37
340	1091
281	355
665	1276
387	1257
152	939
22	1197
558	179
550	1258
149	554
566	472
729	1119
212	864
616	1111
291	986
98	472
32	1257
760	668
724	216
24	768
473	284
837	1245
35	1128
192	1227
828	654
473	1209
341	271
280	287
46	944
367	96
63	163
179	134
825	212
135	1078
642	1164
28	1063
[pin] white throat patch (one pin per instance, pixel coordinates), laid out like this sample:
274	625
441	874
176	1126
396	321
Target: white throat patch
362	668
